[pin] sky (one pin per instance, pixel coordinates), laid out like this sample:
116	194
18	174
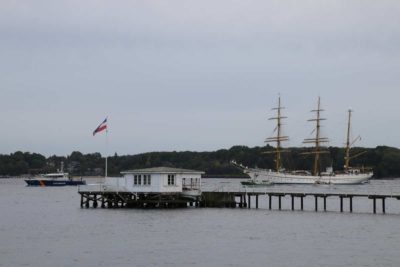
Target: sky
184	75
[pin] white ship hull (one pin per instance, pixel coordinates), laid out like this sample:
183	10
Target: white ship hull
289	178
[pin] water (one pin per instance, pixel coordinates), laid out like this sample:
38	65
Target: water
46	227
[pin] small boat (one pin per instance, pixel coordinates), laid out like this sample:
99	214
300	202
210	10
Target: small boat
54	179
253	182
256	183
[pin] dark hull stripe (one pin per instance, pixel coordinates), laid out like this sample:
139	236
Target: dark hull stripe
53	183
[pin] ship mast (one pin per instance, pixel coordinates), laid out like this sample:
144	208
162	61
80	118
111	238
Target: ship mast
347	148
279	138
349	144
317	140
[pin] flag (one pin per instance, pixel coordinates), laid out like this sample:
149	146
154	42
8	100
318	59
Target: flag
101	127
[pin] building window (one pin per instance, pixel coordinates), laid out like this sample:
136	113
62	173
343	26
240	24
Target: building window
146	179
171	179
137	180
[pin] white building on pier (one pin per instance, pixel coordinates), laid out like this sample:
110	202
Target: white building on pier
159	180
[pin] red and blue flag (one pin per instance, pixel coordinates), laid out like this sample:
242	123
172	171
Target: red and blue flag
101	127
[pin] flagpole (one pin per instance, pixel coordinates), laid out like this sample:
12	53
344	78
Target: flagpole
100	128
106	171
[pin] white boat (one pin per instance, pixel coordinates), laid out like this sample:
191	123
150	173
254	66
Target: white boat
281	176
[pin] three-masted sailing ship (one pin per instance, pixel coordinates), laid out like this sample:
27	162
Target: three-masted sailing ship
281	176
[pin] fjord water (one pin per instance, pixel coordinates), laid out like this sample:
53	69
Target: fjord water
46	227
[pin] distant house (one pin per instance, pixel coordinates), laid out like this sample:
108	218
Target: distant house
158	180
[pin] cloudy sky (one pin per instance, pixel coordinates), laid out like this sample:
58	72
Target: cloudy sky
194	75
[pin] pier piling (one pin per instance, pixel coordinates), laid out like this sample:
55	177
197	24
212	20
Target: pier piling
270	201
341	203
351	203
280	202
302	203
292	202
256	201
383	205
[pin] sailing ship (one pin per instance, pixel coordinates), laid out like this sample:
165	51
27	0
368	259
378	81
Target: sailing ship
281	176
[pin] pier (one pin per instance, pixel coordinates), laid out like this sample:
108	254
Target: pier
275	199
237	199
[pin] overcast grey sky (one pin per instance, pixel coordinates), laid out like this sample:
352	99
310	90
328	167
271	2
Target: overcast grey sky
194	75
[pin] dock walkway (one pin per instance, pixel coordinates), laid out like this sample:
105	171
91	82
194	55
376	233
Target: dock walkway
245	199
104	196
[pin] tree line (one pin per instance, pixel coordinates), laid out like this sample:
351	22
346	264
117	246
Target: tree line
383	160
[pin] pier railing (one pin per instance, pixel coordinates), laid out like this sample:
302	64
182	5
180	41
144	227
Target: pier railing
100	188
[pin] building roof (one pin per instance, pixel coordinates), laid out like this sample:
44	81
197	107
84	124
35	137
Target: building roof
162	170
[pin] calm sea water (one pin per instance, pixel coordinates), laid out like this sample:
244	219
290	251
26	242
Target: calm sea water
46	227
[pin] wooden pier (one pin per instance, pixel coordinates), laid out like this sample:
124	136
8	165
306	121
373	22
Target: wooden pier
245	200
239	199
